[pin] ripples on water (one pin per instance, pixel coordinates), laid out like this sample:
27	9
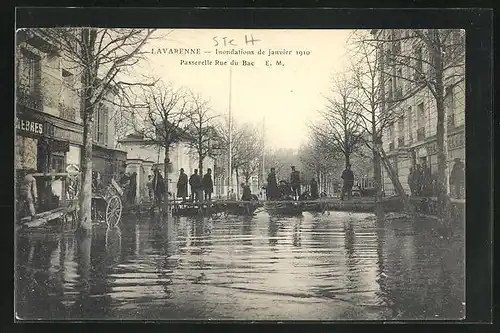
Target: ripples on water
336	266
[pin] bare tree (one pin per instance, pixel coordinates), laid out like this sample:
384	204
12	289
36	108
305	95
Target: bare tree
323	161
250	152
375	110
340	127
102	58
201	133
433	59
162	118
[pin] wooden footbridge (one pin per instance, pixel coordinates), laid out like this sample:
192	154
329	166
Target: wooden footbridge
292	207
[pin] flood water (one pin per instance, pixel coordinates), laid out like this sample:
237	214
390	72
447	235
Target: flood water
337	266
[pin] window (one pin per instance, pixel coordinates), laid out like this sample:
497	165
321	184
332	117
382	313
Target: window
420	122
58	163
420	115
390	89
450	106
401	126
399	83
31	71
68	78
100	126
410	124
419	65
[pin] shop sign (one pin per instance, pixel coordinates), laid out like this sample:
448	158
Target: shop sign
71	136
30	126
60	146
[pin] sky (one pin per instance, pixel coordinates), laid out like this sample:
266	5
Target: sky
287	96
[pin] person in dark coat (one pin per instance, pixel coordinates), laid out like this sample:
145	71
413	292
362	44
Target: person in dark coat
272	191
196	186
182	185
247	193
132	188
158	187
417	180
208	185
457	178
411	182
295	183
348	177
314	189
426	180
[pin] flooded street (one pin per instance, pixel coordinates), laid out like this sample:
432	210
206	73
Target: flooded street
337	266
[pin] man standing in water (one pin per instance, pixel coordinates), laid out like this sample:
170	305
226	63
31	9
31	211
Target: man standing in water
314	189
348	177
272	191
182	184
208	185
196	186
295	182
28	191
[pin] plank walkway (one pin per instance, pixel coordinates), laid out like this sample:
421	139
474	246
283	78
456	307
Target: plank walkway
44	217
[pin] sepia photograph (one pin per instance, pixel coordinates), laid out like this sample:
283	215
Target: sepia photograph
239	174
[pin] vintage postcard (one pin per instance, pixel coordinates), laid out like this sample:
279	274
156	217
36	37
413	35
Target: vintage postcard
251	174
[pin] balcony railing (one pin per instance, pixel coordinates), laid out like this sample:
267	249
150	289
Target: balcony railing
421	134
401	142
30	98
451	121
67	112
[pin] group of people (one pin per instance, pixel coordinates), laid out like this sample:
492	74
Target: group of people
289	189
423	183
198	185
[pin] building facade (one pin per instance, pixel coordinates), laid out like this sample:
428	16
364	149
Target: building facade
410	139
48	132
106	159
49	129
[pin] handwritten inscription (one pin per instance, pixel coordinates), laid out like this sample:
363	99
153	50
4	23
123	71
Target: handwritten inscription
227	41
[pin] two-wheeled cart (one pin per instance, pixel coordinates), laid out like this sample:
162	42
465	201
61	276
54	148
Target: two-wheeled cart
107	204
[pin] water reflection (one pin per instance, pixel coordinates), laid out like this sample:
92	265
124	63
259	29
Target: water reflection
337	266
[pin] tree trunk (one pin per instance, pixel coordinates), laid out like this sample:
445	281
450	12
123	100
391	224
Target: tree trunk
442	157
237	185
85	203
166	162
200	165
347	159
377	178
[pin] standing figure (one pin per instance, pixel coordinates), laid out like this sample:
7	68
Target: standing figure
457	179
28	191
159	187
132	187
314	189
151	191
295	183
348	177
411	184
272	191
247	193
208	185
196	186
426	180
417	180
182	185
232	195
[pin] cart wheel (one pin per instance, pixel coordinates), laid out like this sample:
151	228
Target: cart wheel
113	211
